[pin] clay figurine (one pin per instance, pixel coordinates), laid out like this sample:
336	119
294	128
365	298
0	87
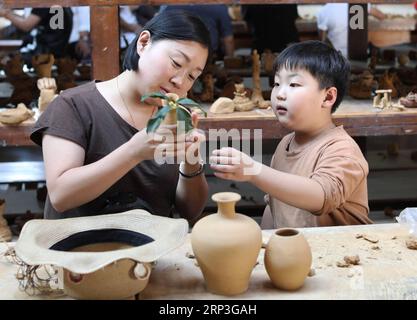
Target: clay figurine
257	97
222	105
43	64
47	87
242	103
16	115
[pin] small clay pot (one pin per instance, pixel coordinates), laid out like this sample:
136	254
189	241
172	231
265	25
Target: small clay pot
287	259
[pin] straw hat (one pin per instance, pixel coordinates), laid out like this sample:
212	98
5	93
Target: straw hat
104	256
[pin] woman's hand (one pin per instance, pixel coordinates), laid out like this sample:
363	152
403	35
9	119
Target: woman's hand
231	164
161	145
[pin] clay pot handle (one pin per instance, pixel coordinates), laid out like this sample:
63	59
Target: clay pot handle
142	271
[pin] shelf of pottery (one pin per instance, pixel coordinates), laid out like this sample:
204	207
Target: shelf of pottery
222	89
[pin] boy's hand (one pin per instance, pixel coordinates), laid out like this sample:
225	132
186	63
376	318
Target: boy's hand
231	164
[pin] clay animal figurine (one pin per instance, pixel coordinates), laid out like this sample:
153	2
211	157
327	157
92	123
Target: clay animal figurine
242	103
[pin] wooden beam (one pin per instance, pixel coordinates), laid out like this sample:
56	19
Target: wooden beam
357	38
105	39
70	3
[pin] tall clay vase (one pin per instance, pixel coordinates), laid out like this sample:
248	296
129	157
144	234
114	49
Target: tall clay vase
226	246
287	259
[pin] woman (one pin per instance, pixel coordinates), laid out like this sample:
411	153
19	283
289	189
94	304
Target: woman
99	158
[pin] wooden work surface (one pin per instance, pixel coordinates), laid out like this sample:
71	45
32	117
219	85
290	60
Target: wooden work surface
357	116
387	272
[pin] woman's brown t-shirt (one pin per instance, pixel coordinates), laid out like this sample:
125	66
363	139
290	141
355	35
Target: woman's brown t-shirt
83	116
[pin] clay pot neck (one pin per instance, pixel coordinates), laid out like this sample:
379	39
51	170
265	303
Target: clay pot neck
226	203
227	209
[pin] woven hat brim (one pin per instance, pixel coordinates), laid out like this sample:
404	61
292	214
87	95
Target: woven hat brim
37	236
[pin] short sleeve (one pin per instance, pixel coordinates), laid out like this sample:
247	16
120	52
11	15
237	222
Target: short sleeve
340	171
62	119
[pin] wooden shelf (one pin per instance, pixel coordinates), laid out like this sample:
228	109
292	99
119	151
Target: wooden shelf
358	117
105	26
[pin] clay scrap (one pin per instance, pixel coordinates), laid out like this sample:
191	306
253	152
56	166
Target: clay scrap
367	238
348	261
411	244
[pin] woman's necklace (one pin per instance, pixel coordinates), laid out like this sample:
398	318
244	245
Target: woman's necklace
125	105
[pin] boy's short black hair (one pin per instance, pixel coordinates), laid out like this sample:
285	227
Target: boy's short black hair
323	62
170	25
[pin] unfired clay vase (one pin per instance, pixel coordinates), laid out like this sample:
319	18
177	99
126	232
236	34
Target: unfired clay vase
226	246
287	259
122	279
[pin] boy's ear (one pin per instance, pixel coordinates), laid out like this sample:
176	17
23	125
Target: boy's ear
143	40
330	98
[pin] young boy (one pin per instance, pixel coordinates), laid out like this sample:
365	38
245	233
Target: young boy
318	173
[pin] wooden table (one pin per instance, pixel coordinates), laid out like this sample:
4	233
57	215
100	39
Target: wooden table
387	272
357	116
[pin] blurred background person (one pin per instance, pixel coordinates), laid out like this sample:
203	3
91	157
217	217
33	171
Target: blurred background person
273	26
332	23
219	23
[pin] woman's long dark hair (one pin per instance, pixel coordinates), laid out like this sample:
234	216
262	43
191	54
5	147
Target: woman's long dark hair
170	25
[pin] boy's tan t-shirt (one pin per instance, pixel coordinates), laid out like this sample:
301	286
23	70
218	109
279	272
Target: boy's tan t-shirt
335	161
